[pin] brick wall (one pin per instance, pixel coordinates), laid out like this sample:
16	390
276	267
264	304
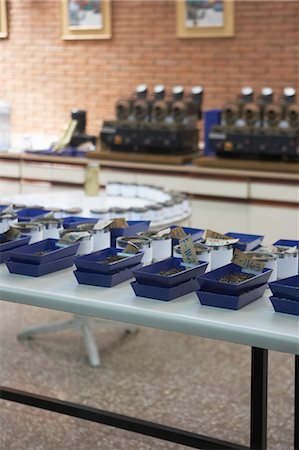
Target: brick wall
44	77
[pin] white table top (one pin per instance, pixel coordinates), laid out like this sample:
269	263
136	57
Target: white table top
255	325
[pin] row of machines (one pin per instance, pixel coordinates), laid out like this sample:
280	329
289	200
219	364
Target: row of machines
260	128
155	122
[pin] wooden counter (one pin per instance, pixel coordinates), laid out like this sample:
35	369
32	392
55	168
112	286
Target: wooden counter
237	180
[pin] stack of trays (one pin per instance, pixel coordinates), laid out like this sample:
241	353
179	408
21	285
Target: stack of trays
285	297
7	246
154	282
41	258
28	214
93	269
247	242
195	233
221	294
134	227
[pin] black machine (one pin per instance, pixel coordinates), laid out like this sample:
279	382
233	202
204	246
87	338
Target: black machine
155	123
259	130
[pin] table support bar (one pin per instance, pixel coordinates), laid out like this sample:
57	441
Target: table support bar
118	420
296	412
259	396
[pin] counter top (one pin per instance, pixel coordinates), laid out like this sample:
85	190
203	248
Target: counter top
203	166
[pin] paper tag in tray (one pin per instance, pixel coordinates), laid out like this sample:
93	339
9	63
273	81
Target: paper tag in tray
120	222
48	216
163	232
188	250
178	233
102	224
248	262
214	235
131	248
72	238
215	239
11	234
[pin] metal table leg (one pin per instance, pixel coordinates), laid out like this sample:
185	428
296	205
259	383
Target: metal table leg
259	395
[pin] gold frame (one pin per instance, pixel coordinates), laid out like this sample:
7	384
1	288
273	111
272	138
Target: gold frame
71	33
3	19
205	32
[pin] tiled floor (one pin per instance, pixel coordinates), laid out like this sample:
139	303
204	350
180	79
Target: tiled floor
197	384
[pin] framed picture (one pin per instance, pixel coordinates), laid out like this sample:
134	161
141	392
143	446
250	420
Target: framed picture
86	19
205	18
3	19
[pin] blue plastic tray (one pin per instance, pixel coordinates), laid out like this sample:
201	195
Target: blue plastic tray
6	247
135	226
287	243
286	288
27	214
195	233
149	275
230	301
37	270
73	221
209	281
26	253
91	262
247	242
104	279
164	293
3	207
285	305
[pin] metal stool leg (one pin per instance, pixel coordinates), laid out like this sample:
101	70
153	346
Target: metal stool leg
259	395
296	412
28	333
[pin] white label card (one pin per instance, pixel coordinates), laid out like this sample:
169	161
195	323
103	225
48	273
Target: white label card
102	224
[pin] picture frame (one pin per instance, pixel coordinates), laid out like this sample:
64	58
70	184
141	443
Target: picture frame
3	19
86	19
205	18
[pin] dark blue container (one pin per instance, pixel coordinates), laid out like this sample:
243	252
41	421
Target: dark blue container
212	117
286	288
231	301
195	233
26	253
73	221
210	281
135	226
164	293
287	243
92	262
285	305
149	275
7	247
27	214
105	279
37	270
247	242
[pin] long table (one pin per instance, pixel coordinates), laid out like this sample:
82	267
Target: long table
256	325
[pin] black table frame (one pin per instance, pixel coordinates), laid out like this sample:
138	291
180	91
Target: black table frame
258	412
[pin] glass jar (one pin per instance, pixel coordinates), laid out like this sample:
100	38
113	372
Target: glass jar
143	243
270	260
33	229
203	253
91	184
52	228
